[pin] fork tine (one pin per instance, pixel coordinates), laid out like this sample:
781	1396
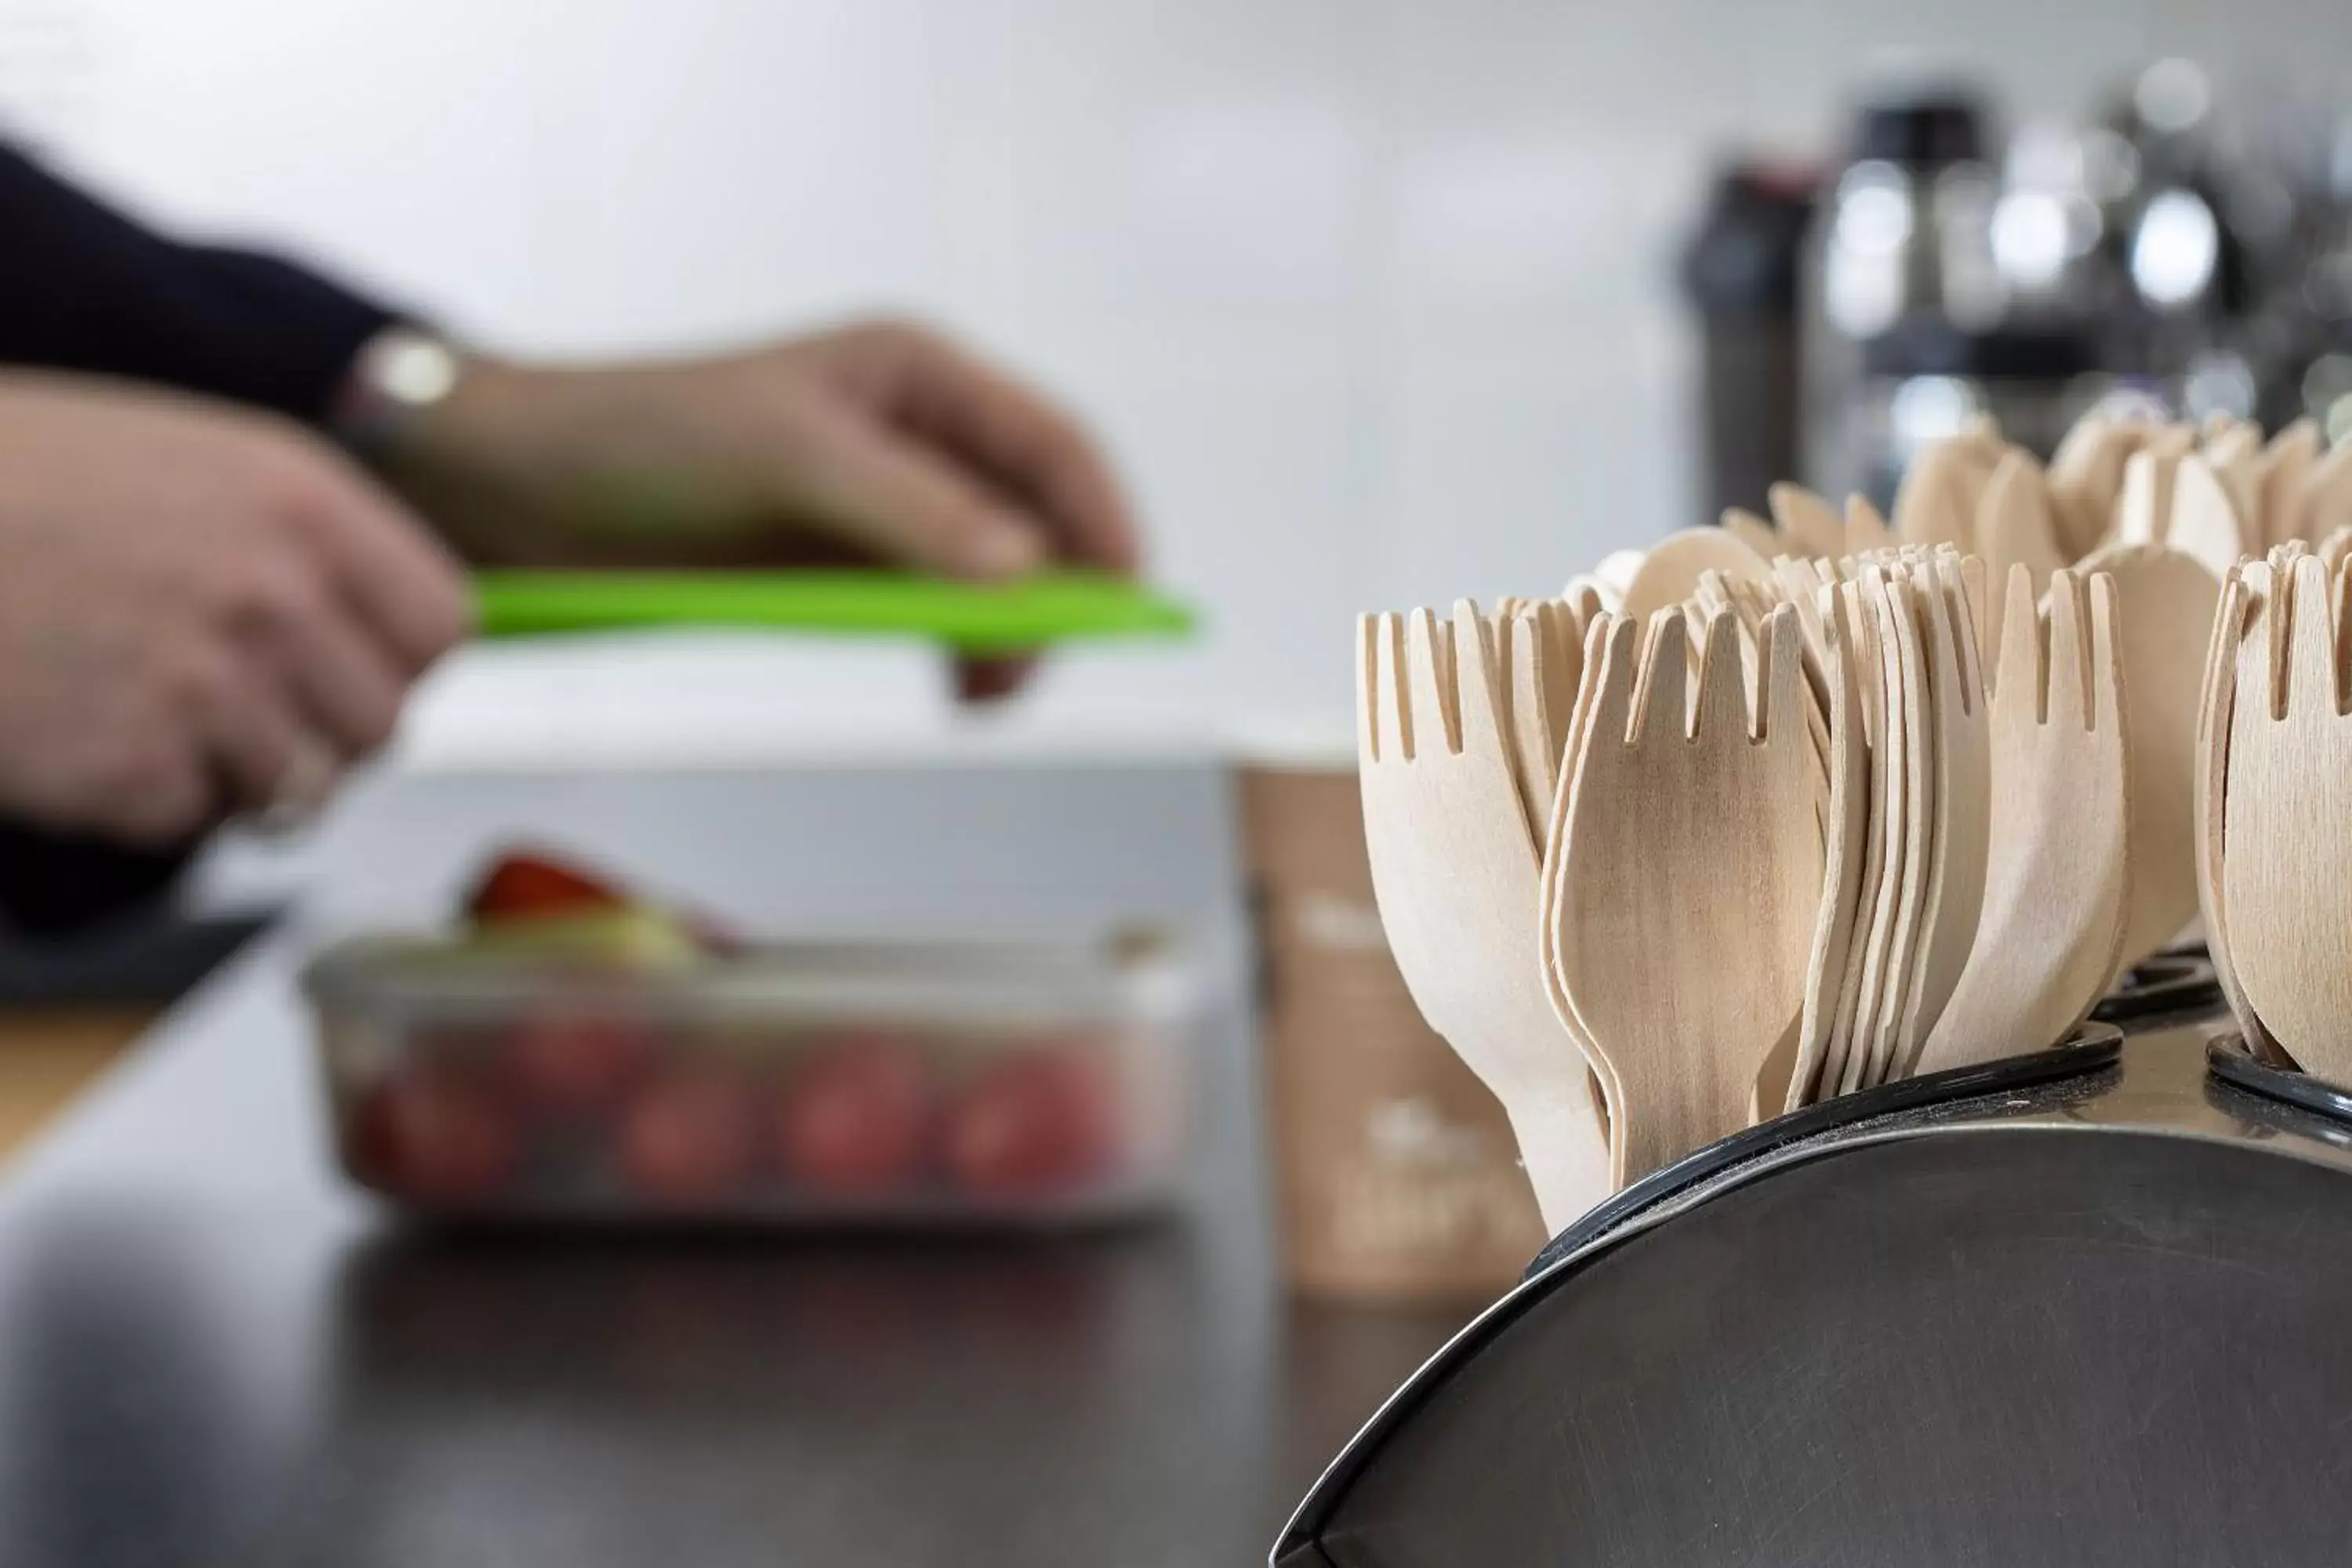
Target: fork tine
1965	588
1585	601
1664	692
2069	665
1862	642
2341	599
2261	682
1939	635
1482	679
1560	669
1865	527
1612	676
1393	703
1783	681
1367	689
2021	644
2311	675
1722	699
2106	665
1429	682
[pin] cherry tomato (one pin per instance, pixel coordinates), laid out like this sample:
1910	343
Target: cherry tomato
1038	1122
527	886
690	1137
856	1115
576	1064
436	1135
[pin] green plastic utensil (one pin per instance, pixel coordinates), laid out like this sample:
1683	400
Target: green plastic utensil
1033	612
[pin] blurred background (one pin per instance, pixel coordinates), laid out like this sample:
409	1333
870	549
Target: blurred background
1377	303
1373	304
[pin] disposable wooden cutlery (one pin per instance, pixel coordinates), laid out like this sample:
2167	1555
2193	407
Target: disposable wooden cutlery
1688	881
2086	476
1670	573
2286	857
1738	823
2162	599
2216	716
1454	870
1791	1073
1955	688
2016	526
2057	862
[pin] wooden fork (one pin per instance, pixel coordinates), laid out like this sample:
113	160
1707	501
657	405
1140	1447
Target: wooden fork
2057	863
2216	715
2286	849
1454	873
1687	884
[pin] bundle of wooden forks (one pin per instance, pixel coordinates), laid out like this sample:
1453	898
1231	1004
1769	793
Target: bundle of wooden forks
1743	821
2273	797
1656	878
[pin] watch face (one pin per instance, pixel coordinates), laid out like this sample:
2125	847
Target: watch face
399	374
410	368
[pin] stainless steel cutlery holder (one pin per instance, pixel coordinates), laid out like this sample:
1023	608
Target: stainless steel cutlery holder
2084	1306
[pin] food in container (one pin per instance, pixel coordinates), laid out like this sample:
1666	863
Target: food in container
573	1054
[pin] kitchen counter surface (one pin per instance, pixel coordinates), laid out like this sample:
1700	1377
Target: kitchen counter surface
212	1350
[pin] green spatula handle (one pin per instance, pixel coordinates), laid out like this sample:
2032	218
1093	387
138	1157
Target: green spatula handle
1033	612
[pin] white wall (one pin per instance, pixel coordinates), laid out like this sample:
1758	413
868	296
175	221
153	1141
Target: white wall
1370	296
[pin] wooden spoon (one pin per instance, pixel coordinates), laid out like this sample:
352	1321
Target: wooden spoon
2328	494
1865	530
2016	525
2086	476
1615	572
2235	455
1753	531
1671	570
2286	465
2205	524
1936	503
1808	525
2144	509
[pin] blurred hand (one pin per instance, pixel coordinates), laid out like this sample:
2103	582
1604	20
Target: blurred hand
879	443
202	610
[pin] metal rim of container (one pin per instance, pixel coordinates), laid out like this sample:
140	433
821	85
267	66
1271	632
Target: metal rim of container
2094	1048
2226	1059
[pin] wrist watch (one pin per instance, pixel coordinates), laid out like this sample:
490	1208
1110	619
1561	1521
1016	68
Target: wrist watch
397	375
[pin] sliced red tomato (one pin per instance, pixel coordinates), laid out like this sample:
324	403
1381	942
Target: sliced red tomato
573	1064
856	1114
436	1135
690	1137
1038	1123
527	886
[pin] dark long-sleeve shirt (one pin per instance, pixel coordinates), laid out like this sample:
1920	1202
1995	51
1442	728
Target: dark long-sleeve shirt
83	287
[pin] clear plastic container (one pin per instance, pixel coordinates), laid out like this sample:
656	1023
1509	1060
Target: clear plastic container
869	1082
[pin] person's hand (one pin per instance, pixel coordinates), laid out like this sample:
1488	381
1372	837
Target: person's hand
873	443
202	611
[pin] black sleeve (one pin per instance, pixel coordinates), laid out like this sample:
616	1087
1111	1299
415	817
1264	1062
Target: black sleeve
83	287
